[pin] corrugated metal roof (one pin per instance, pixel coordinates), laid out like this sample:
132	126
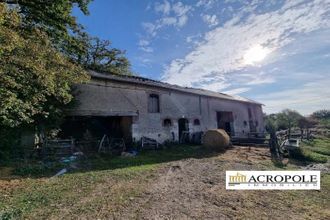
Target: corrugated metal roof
155	83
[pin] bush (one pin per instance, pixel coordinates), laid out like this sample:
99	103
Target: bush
325	123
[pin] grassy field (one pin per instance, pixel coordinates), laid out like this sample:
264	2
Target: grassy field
28	191
112	187
317	150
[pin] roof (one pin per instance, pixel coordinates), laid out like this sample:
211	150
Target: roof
159	84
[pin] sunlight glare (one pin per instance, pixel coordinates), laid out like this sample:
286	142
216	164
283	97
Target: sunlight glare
255	54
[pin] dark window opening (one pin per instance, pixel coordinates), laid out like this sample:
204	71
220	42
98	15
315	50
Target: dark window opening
250	113
183	130
153	103
167	122
253	128
197	122
225	121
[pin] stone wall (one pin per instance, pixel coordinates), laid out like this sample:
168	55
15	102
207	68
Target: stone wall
109	98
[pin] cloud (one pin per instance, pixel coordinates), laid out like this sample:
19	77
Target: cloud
144	46
237	91
182	20
164	7
144	43
207	4
175	15
180	9
172	15
150	28
222	50
210	20
257	78
147	49
193	40
308	98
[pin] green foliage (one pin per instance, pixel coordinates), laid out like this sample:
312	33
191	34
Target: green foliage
321	114
150	157
35	79
54	18
37	169
270	123
286	119
9	141
322	117
319	145
100	56
108	162
311	156
325	123
317	150
306	122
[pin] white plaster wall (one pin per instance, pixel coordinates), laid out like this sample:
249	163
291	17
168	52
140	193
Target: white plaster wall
113	98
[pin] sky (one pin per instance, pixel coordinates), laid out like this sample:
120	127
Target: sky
273	51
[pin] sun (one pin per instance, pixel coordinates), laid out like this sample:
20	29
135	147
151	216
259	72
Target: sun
255	54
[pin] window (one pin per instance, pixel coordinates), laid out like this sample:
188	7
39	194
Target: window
197	122
167	122
153	103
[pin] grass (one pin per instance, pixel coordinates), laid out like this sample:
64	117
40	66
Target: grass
177	152
41	198
109	184
319	145
317	150
117	179
37	169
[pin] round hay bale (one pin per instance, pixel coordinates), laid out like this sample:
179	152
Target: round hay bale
216	139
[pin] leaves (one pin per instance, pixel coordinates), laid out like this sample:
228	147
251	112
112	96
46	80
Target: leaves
43	52
33	74
53	17
100	56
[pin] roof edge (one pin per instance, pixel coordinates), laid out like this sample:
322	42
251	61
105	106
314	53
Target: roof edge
156	83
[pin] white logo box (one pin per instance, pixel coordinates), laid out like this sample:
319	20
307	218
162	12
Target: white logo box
273	180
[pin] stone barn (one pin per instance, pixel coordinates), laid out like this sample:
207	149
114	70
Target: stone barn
132	107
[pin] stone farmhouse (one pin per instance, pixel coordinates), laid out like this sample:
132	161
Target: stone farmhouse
132	107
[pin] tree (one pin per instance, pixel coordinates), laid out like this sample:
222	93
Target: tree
322	117
35	78
274	146
67	36
100	56
54	18
287	119
321	114
305	123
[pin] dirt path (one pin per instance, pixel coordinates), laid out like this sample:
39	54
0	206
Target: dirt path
195	189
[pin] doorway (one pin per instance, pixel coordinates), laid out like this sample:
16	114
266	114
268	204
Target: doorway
183	126
79	127
225	121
